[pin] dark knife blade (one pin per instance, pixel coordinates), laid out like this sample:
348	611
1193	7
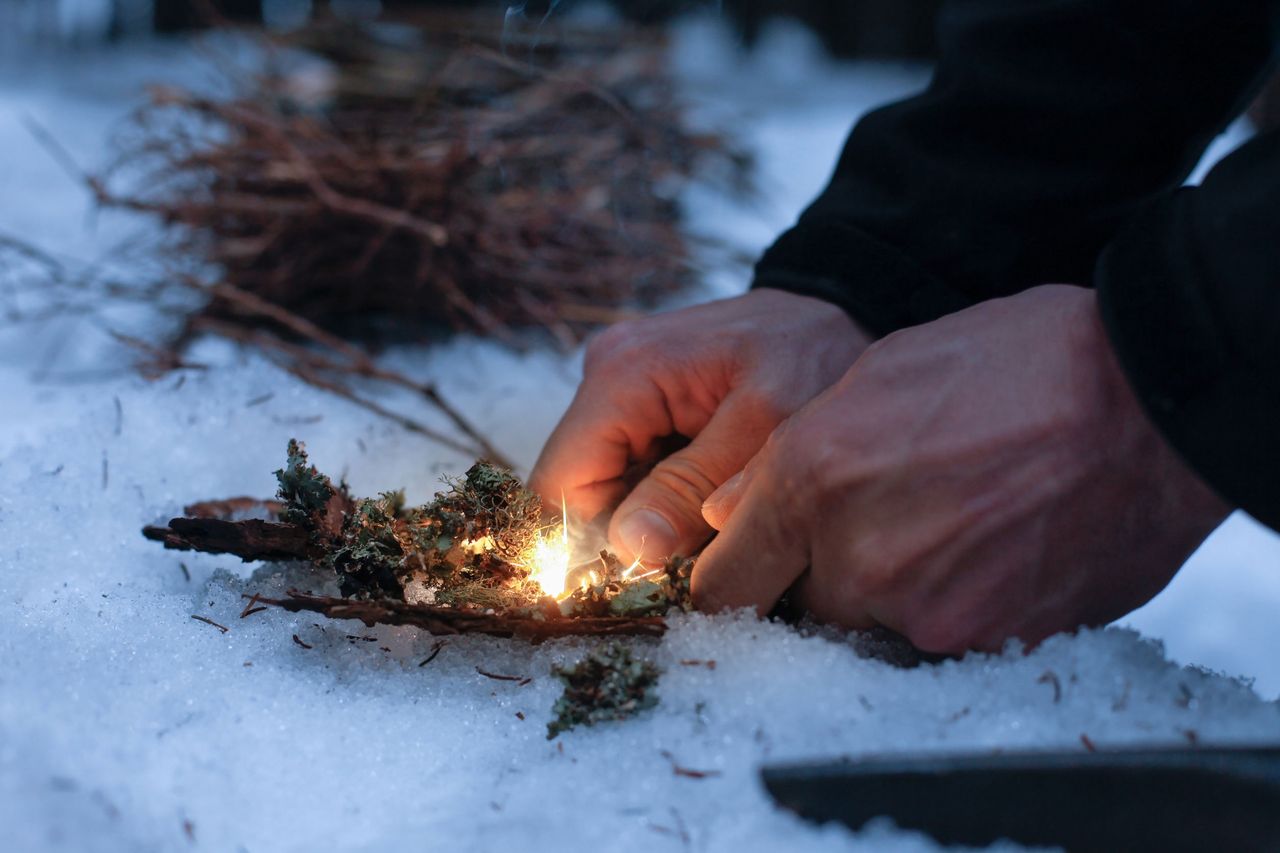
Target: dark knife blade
1132	800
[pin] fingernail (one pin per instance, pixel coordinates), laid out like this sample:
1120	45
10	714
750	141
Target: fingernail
726	490
646	532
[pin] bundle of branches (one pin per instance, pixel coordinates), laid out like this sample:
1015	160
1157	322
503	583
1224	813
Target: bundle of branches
444	175
476	559
452	172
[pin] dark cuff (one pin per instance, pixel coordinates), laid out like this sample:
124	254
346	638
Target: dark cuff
881	288
1216	409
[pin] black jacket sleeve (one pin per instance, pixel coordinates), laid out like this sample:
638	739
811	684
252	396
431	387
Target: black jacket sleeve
1190	295
1054	130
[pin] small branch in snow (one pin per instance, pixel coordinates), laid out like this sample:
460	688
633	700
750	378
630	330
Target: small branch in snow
205	619
1050	677
686	772
252	607
435	650
520	678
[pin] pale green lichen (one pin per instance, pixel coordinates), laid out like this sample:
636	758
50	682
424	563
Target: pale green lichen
304	490
608	684
464	548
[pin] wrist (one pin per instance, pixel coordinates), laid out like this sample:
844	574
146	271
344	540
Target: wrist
1137	434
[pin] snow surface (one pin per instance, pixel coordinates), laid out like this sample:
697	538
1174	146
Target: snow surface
127	725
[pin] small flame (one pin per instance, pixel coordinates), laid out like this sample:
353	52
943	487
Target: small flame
549	563
548	560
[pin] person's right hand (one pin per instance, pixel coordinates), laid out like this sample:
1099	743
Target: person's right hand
724	375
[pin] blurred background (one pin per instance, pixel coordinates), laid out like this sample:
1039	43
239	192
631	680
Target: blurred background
848	28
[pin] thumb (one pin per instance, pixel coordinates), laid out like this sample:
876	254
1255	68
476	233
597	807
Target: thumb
663	514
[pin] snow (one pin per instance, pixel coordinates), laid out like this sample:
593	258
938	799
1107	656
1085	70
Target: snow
127	725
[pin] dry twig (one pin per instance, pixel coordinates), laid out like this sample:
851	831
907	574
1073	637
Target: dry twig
447	620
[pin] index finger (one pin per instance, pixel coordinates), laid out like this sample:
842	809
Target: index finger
610	423
757	556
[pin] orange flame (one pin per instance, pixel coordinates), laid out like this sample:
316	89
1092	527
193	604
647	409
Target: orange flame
548	559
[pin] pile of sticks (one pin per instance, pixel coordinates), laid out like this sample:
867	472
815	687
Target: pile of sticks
376	183
442	176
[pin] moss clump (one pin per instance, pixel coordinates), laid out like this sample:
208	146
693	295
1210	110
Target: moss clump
608	684
304	490
465	548
462	548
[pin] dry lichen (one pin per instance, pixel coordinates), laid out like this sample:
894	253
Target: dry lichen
608	684
465	548
461	548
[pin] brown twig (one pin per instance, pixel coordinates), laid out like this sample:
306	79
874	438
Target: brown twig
445	620
205	619
685	771
497	677
435	650
250	608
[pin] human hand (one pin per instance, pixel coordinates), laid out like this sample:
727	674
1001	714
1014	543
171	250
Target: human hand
986	476
723	374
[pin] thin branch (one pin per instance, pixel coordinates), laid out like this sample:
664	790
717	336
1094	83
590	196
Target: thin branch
445	620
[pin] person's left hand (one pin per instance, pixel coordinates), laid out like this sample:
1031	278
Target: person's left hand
986	476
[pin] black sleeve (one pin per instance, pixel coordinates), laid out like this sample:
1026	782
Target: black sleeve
1047	124
1190	295
1055	129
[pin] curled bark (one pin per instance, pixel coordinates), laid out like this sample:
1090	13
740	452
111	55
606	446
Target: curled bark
251	539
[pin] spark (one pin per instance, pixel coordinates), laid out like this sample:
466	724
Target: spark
548	558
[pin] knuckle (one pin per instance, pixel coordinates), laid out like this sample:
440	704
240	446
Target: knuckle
880	355
686	478
766	405
811	457
616	343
